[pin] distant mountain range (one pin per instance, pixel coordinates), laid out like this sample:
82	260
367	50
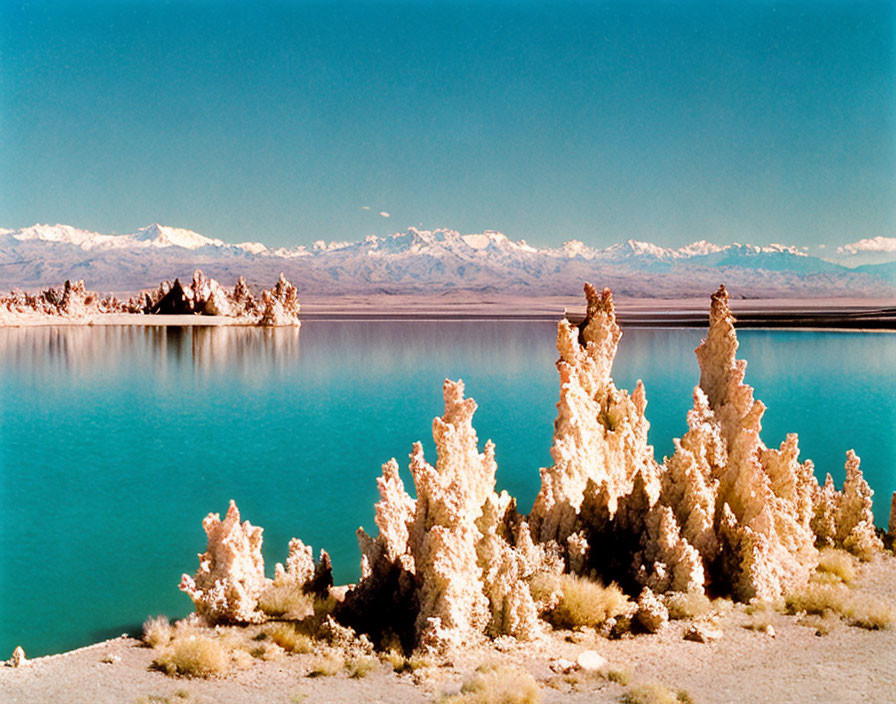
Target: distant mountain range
430	262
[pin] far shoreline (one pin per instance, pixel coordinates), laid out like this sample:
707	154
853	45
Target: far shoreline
853	314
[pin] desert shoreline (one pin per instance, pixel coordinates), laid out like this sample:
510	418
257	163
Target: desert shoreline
795	661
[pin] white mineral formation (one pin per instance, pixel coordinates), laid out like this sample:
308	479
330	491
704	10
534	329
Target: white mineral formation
600	433
72	301
231	571
302	572
844	518
724	504
453	566
652	614
18	658
202	296
281	305
209	298
460	551
604	487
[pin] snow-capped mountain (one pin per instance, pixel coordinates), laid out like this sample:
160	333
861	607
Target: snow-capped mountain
426	261
152	236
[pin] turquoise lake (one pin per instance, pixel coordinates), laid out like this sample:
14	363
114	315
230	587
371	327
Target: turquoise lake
115	442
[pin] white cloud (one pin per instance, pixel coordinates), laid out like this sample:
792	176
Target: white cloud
873	244
384	214
365	207
822	246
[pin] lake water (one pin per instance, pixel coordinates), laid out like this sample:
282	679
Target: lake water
116	442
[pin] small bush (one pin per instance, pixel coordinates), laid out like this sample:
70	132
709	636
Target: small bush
418	662
326	665
682	605
822	625
267	651
498	685
585	603
286	600
193	656
836	564
817	598
360	667
872	614
157	631
288	637
655	694
395	660
859	610
622	677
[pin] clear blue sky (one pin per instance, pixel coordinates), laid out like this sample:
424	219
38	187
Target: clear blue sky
672	121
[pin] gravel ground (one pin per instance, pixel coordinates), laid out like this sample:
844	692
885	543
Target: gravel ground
849	664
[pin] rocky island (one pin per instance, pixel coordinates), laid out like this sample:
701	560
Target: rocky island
74	304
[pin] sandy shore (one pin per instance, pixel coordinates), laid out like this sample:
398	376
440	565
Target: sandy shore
836	313
849	664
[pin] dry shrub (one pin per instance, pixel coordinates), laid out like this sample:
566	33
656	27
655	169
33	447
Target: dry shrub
655	694
835	564
360	667
682	605
326	665
585	603
822	625
761	614
622	677
817	598
193	656
498	685
285	599
870	613
157	631
863	611
400	664
267	651
290	638
395	660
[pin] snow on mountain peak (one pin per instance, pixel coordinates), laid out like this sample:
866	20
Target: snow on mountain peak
636	248
160	236
699	248
63	234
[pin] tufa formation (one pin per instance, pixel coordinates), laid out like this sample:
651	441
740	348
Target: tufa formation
276	307
724	515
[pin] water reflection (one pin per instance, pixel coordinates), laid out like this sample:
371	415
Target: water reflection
89	352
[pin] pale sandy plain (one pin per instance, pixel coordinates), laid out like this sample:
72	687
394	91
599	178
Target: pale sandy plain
848	665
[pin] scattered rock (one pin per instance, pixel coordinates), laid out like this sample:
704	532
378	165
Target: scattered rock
18	658
590	660
111	659
607	627
652	614
562	666
702	633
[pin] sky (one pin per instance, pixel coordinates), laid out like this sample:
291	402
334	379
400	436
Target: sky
290	122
